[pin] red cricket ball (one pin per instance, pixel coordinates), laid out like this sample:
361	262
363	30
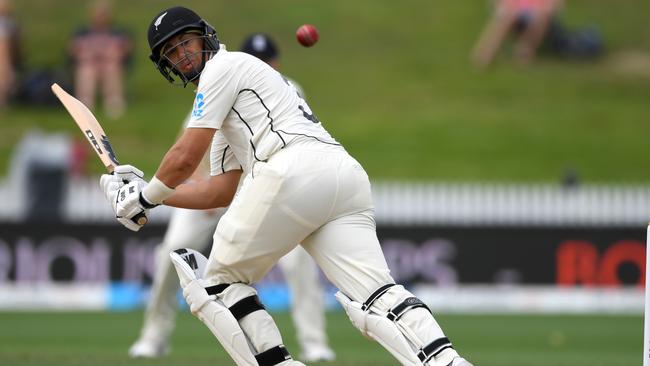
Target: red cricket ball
307	35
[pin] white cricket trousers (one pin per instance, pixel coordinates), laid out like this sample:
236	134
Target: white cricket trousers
310	193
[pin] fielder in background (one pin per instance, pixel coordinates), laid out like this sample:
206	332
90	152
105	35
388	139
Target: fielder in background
300	186
194	228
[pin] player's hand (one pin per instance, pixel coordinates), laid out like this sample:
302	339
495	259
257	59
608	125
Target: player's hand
128	173
124	199
129	203
110	184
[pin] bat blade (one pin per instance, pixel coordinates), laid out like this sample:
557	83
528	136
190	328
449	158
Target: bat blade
94	134
90	127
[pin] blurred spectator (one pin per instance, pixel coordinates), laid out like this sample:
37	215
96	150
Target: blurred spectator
527	19
9	52
99	53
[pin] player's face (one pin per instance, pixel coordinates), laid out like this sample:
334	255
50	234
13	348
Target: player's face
184	52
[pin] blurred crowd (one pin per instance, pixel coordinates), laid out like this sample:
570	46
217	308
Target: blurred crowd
97	56
535	25
100	52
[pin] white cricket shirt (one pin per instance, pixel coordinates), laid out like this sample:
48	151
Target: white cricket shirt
256	110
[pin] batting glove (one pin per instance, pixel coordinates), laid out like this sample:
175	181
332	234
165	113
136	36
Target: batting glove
125	199
128	173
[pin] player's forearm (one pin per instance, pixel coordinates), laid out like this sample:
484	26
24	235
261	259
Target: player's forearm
185	156
191	195
217	191
174	169
177	166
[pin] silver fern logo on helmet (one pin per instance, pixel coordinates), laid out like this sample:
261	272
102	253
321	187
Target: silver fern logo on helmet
159	20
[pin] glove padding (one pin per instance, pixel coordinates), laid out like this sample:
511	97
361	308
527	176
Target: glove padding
124	196
128	173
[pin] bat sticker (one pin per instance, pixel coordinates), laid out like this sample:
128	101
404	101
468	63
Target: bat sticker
109	150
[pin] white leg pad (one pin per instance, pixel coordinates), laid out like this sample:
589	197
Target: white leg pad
227	330
402	324
243	339
211	311
380	329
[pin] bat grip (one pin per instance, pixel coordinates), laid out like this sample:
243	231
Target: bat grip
140	219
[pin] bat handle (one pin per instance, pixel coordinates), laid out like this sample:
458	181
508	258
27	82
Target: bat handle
140	219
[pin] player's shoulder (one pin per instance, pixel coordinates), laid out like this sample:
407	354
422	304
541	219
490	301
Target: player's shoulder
295	84
218	65
231	61
224	56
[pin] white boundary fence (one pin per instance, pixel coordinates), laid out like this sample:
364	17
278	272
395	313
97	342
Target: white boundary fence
511	204
409	203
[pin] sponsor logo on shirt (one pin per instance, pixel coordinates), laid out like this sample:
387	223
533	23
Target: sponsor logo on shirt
198	105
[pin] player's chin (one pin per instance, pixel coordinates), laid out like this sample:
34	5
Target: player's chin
192	74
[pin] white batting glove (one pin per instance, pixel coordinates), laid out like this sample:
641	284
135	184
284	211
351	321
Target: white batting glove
122	175
196	296
124	199
110	184
128	173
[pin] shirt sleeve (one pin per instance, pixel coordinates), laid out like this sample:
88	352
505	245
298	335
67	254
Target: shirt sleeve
215	96
222	158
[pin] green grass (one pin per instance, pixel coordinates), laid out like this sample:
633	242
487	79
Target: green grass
393	82
71	339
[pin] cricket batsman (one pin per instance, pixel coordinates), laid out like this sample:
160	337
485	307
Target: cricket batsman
194	228
300	186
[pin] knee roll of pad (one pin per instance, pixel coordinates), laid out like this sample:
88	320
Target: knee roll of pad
385	324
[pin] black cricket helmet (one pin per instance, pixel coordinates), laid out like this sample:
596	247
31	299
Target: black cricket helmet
167	24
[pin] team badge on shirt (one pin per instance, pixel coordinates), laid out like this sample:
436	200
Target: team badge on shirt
198	105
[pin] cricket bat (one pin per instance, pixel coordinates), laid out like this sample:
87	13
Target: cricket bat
94	133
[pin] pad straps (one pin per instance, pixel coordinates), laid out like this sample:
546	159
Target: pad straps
410	303
273	356
375	295
425	353
239	310
242	307
216	289
246	306
434	348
